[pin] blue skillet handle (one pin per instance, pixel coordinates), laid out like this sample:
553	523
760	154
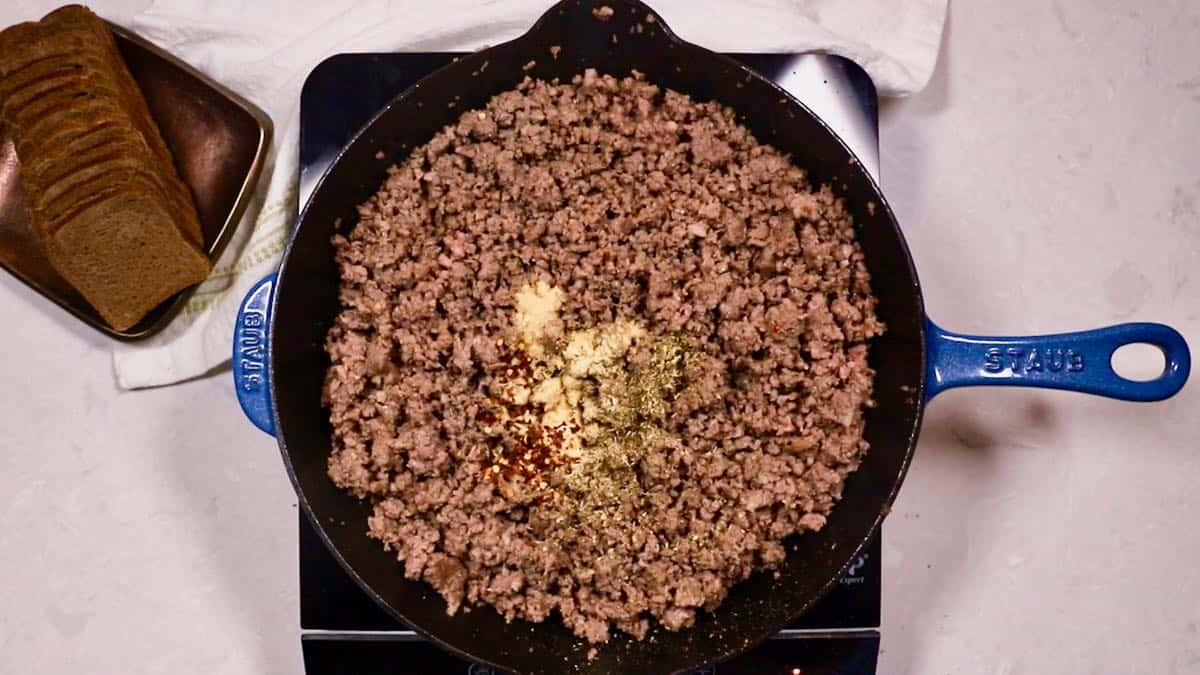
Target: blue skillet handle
251	349
1073	361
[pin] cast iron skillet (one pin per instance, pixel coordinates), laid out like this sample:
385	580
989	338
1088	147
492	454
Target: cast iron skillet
279	365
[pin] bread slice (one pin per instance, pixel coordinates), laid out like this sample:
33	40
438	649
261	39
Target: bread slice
132	228
21	75
46	83
132	100
74	143
88	158
68	207
77	34
61	134
105	199
81	114
92	168
78	154
118	179
61	75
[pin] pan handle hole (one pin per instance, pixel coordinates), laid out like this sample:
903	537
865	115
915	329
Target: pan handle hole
1139	362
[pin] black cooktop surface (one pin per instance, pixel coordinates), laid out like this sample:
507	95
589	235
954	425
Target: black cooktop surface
344	631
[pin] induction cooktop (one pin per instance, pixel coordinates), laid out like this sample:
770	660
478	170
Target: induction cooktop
343	632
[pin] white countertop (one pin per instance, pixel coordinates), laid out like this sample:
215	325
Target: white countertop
1048	179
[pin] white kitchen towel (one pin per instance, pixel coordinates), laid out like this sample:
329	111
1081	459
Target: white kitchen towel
264	49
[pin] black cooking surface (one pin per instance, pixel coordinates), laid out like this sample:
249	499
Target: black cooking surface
852	654
345	631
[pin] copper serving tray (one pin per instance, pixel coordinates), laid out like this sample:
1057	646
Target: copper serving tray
219	141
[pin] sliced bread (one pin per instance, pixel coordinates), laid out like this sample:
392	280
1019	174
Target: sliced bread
131	227
105	198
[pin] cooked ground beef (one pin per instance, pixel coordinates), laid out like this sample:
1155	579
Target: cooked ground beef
641	205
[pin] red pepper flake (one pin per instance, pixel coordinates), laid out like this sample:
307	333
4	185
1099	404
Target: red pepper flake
531	455
537	450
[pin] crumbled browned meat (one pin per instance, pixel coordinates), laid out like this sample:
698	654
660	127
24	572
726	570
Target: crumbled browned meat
639	204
